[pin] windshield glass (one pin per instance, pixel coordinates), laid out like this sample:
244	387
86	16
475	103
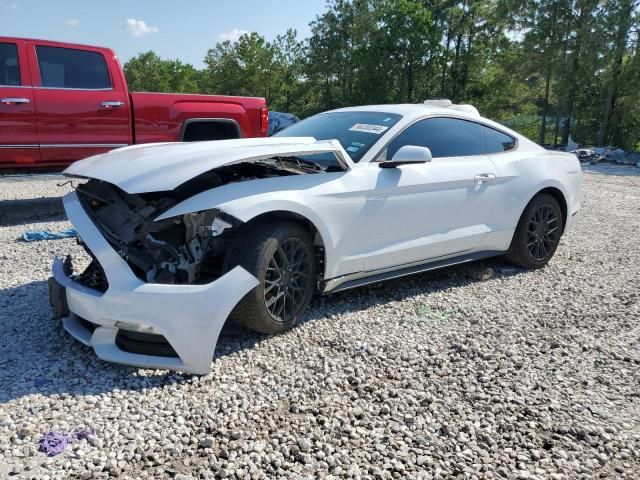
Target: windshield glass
356	131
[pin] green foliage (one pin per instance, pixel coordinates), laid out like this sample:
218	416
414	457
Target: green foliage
548	69
149	73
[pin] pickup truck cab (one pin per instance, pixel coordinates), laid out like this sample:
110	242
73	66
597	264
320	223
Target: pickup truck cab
61	102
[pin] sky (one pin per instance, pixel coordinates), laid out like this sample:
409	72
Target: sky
183	29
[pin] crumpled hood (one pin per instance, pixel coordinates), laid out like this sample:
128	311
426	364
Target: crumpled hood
157	167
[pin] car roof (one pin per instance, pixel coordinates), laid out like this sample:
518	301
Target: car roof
411	110
415	111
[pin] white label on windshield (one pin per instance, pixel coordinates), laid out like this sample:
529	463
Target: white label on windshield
369	128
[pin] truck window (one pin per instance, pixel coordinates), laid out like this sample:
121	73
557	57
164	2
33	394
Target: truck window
71	68
9	71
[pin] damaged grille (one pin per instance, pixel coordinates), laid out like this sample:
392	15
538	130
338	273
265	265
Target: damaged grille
186	249
180	250
93	277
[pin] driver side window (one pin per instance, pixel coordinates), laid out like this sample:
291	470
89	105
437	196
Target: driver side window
445	137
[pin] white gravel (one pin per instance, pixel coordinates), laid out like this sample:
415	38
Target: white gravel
483	371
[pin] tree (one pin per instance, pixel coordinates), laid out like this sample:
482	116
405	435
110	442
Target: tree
149	73
411	48
621	16
246	67
548	68
289	63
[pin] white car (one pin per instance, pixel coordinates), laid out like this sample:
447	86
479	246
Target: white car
183	235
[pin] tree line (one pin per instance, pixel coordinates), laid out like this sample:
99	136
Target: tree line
548	69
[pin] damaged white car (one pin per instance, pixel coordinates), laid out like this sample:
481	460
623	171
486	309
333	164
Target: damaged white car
185	235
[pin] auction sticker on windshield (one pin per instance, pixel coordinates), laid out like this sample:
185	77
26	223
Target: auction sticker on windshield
369	128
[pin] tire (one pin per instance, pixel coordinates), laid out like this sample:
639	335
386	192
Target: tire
538	233
262	249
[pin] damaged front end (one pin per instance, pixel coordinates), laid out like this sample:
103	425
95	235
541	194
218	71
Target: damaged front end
188	249
135	322
168	251
158	290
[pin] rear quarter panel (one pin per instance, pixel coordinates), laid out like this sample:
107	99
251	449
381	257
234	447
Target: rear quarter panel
525	173
158	117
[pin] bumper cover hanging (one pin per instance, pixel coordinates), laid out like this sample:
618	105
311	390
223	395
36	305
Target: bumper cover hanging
190	317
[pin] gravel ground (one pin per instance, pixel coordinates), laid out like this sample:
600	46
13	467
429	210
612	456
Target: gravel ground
482	371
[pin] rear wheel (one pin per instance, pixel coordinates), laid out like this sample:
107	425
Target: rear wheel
281	256
538	233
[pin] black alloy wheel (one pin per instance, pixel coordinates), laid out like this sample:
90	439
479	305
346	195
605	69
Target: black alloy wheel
543	232
288	279
538	233
281	256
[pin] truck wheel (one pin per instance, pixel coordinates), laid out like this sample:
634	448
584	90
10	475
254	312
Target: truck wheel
281	256
538	233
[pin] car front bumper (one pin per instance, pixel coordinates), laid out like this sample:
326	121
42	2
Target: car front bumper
189	317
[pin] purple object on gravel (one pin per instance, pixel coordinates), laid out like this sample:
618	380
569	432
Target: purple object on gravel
53	443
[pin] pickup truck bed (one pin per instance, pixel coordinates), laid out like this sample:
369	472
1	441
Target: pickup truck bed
62	102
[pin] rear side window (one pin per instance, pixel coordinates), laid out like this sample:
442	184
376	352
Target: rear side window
70	68
495	141
9	70
445	137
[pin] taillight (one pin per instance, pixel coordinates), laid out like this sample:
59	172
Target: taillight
264	120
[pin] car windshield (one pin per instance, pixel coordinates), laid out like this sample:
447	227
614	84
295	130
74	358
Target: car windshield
356	131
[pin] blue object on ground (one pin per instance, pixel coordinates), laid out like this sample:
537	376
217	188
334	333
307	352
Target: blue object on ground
36	235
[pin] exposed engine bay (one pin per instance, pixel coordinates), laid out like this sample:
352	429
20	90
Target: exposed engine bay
181	250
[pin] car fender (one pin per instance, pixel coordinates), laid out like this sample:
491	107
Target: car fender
247	211
329	212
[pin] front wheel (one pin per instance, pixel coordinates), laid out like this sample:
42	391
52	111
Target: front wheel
281	256
538	233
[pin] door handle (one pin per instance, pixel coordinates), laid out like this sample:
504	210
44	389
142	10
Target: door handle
14	100
112	104
484	177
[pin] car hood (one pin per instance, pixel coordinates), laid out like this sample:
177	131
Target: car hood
160	167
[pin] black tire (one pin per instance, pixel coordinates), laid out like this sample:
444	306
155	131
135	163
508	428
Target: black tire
259	249
538	233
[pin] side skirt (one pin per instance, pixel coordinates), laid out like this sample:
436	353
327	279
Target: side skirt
359	279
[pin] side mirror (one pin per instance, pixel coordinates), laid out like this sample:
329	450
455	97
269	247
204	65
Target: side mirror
409	154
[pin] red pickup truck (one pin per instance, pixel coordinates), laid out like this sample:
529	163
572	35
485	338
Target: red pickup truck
61	102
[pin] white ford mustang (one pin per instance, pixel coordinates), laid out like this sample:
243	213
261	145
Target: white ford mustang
184	235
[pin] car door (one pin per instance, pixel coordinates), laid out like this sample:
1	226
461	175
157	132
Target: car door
18	135
82	109
420	212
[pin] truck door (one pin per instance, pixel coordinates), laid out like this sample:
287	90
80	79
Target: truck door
18	135
82	106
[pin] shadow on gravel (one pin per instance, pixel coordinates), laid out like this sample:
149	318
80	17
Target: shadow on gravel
31	210
406	287
38	357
